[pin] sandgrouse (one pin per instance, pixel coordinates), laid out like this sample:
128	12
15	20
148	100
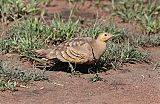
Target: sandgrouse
85	50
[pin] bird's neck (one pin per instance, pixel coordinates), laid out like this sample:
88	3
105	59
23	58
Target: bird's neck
99	49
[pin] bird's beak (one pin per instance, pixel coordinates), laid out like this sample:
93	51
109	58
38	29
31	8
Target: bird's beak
113	36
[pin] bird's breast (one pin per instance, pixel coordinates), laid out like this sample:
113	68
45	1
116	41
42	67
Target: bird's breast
99	50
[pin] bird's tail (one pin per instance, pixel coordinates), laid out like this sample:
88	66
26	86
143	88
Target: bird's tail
42	52
46	53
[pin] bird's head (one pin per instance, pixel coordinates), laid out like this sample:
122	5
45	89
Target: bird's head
104	37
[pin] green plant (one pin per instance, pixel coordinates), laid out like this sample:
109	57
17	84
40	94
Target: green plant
64	30
116	54
150	24
96	78
128	9
142	40
33	33
4	46
11	77
7	85
136	10
27	35
14	9
73	1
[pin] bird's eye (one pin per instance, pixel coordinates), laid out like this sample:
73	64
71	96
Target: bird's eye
105	34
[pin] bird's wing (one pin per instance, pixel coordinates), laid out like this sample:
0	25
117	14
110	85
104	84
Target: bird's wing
77	50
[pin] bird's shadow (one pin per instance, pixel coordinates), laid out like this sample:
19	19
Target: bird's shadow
84	69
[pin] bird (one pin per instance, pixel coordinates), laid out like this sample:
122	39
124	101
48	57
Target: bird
82	50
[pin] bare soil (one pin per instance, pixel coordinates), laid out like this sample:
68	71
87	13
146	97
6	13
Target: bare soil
133	84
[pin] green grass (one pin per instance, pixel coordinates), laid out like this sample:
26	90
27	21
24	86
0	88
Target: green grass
73	1
124	53
11	77
28	34
32	33
146	41
117	54
150	24
96	78
136	10
11	10
126	9
4	46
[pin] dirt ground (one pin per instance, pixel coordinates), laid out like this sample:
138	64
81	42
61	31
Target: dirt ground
133	84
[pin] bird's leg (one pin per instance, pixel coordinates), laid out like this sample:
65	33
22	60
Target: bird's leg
73	71
97	67
94	68
72	68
